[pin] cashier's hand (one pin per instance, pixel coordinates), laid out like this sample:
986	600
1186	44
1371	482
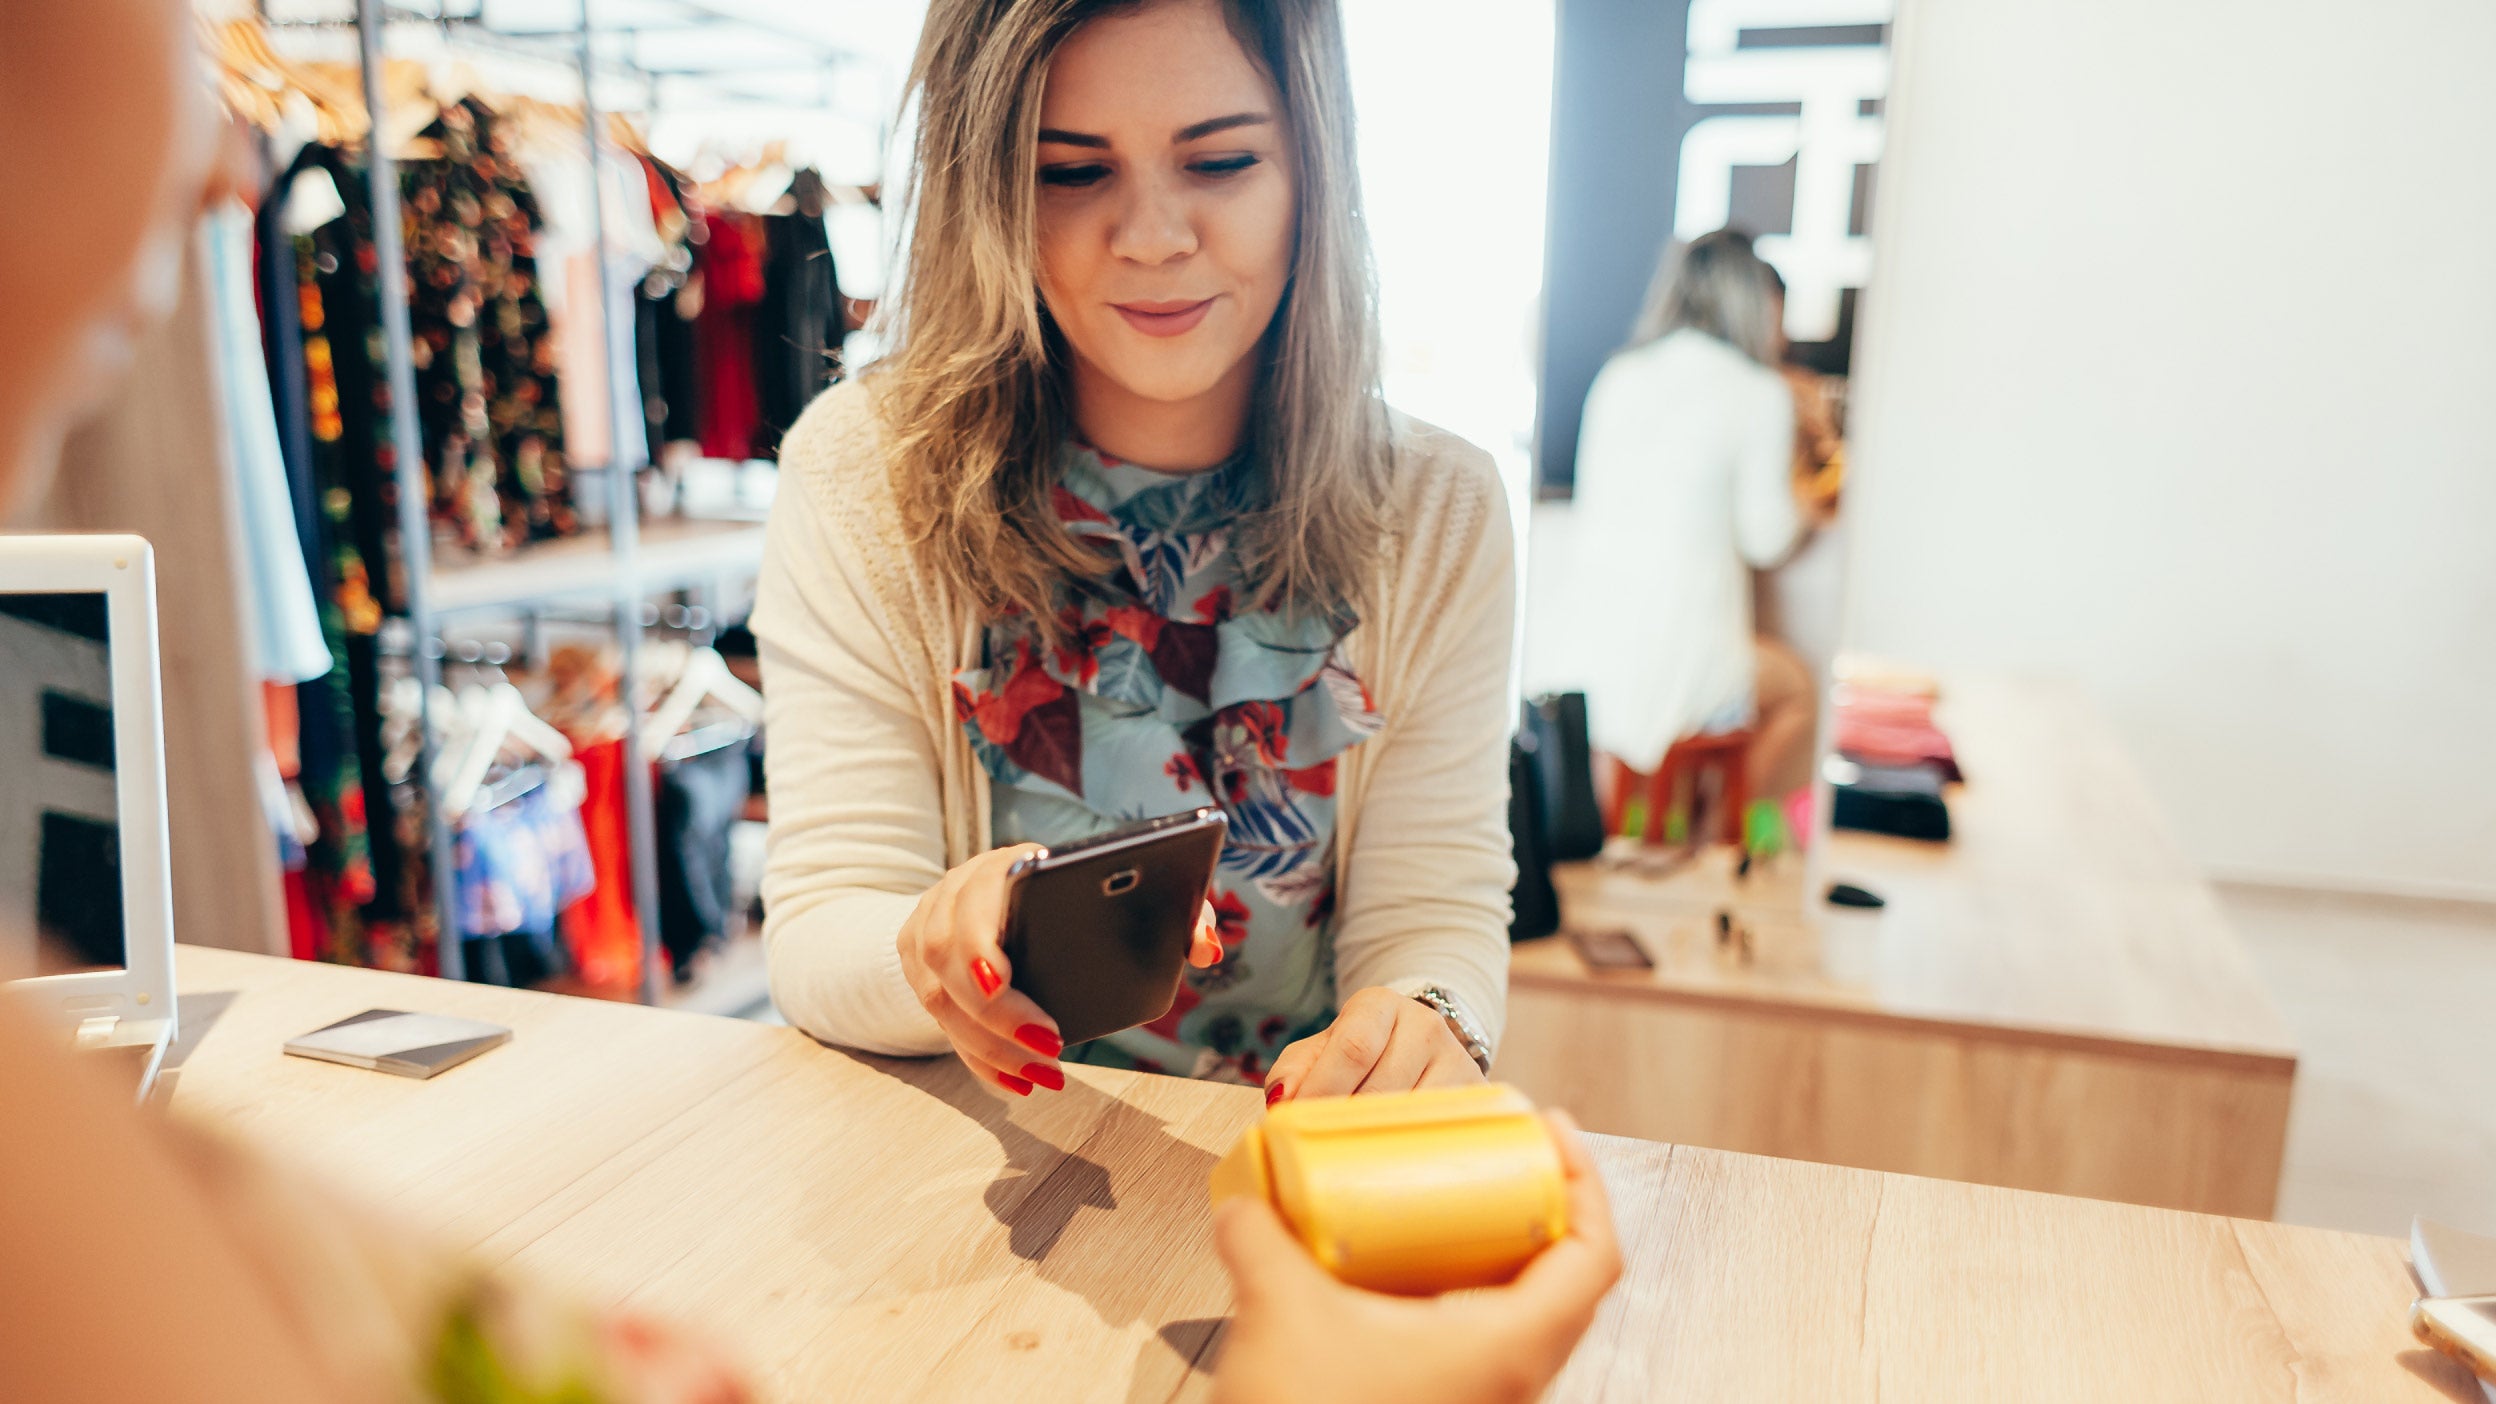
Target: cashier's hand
1381	1042
1300	1335
951	957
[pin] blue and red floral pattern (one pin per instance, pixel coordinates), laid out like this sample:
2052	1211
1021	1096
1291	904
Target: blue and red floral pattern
1165	697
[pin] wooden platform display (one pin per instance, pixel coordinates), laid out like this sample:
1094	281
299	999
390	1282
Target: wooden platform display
2051	1001
860	1228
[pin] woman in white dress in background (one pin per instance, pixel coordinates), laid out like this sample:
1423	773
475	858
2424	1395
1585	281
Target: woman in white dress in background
1641	586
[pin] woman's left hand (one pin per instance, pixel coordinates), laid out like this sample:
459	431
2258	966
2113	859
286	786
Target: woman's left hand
1381	1042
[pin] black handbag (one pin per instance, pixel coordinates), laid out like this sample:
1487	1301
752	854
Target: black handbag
1534	905
1564	764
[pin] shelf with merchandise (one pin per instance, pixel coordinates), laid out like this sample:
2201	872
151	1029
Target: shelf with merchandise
672	554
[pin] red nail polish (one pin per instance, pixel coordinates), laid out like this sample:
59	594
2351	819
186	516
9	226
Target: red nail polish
1273	1093
986	975
1014	1084
1042	1074
1042	1041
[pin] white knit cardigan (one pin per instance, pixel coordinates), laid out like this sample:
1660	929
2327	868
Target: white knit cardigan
875	793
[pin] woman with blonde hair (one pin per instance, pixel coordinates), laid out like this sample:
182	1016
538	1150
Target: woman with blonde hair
262	1288
1121	527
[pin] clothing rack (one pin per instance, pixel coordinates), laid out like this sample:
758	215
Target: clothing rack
559	44
693	556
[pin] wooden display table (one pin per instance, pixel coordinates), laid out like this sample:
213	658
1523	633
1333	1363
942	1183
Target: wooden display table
2050	1001
863	1228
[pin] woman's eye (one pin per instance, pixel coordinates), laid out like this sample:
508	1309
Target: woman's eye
1073	175
1223	165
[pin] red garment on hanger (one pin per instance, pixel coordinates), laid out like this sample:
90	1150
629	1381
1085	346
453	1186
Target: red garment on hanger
601	929
306	937
730	261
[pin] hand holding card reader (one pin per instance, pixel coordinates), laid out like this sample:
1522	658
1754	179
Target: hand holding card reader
1098	930
1411	1192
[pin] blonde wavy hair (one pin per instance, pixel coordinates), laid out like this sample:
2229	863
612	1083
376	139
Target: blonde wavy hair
975	392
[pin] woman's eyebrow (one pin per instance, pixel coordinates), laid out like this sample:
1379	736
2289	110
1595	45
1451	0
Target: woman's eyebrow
1057	136
1219	124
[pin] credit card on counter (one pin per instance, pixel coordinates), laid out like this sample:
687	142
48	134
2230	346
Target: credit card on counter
396	1041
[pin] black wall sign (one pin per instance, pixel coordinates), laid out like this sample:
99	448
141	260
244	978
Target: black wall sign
1765	115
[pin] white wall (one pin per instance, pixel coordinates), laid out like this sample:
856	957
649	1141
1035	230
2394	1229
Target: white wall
2179	377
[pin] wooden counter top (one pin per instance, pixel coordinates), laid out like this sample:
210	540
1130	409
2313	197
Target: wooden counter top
862	1228
2062	911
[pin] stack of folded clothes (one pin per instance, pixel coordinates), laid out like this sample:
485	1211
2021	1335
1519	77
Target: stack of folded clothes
1891	761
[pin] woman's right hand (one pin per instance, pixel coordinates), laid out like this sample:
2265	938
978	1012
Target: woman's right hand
951	957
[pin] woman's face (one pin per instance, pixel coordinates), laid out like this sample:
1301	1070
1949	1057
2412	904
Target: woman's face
1166	205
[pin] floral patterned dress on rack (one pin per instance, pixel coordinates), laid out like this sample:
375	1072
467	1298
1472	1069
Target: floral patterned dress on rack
1167	696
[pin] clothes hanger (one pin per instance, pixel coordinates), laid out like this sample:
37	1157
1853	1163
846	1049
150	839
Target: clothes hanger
258	82
703	678
497	719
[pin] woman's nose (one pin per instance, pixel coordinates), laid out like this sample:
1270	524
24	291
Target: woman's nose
1153	226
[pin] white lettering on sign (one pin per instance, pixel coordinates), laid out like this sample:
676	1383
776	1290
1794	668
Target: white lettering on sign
1826	140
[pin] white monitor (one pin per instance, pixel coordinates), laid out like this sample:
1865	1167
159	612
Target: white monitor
86	904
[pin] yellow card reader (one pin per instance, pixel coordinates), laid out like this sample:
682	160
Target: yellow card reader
1409	1192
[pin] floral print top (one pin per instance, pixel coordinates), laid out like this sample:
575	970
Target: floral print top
1167	697
486	392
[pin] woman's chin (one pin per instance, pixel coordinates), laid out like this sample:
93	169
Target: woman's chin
1158	381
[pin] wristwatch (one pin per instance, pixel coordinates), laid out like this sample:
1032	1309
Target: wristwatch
1469	1033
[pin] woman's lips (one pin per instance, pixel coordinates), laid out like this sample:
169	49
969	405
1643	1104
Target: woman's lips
1164	318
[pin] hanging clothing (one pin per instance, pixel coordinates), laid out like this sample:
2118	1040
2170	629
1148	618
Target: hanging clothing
281	330
485	360
1164	699
367	873
283	626
699	798
798	326
521	863
574	211
601	931
730	265
283	303
664	314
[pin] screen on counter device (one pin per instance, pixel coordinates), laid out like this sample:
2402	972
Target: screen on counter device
60	820
86	920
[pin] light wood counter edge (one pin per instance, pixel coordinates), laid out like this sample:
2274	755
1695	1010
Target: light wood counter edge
1808	1007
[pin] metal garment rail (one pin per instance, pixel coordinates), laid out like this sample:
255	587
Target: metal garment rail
415	503
415	525
623	532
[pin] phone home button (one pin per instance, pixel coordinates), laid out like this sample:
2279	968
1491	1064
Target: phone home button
1121	882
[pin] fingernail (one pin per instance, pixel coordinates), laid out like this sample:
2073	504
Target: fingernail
986	975
1051	1078
1042	1041
1273	1093
1014	1084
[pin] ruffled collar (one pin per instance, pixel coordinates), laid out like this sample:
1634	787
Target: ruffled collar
1162	645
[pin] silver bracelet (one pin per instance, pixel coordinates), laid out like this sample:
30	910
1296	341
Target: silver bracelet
1477	1046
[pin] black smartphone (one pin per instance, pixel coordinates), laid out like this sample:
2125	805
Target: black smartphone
1098	930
